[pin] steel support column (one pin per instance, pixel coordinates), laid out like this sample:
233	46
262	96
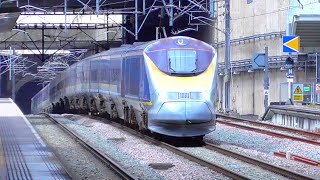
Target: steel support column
136	20
316	97
318	68
42	53
12	76
13	89
227	57
97	7
65	15
171	13
144	7
266	80
0	77
211	8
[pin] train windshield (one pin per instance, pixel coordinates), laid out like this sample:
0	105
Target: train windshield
182	61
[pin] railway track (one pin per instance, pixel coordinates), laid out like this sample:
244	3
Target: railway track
123	174
210	165
176	150
270	129
276	169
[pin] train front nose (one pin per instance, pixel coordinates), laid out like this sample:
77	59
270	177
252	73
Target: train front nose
184	112
183	119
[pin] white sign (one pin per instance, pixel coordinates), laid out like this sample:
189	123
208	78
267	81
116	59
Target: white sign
266	92
317	88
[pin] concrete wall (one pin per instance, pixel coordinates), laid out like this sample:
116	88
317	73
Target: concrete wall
259	17
247	89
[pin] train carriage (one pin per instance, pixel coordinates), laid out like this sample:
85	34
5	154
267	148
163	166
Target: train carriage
167	86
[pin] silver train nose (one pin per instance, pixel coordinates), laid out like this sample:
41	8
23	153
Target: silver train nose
181	112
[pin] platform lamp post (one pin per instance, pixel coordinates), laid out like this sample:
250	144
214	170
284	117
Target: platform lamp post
0	77
289	65
12	76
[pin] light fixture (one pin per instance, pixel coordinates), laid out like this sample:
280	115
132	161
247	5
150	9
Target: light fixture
236	72
300	68
221	73
19	30
250	70
282	69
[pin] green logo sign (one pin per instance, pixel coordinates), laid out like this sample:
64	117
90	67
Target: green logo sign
306	89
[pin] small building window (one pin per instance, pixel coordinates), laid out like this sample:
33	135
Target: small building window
182	61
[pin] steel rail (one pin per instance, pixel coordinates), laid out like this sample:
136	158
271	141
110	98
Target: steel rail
272	168
202	162
268	132
97	153
260	123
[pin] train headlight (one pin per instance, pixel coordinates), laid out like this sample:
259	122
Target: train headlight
195	95
173	95
162	96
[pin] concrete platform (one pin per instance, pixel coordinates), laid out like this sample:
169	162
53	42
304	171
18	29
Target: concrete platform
23	155
297	111
299	117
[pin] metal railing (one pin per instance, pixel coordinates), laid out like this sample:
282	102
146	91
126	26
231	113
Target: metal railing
249	39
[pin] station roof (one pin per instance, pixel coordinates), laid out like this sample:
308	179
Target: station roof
307	26
73	3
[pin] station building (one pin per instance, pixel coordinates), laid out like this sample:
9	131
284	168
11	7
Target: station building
263	23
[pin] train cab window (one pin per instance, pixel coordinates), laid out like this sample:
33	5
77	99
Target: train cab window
182	61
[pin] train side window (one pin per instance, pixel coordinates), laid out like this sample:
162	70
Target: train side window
94	71
132	75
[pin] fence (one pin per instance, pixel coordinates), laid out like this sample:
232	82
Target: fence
301	92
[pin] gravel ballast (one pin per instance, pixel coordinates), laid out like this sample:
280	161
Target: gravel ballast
80	163
263	146
135	154
245	169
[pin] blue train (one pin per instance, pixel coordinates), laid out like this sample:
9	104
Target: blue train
167	86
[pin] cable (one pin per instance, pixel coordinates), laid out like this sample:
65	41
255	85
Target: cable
300	4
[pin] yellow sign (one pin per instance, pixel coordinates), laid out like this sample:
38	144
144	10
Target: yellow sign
298	97
291	43
297	90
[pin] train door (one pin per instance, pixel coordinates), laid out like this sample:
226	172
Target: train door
131	77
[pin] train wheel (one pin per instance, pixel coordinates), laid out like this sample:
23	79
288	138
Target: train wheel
158	137
114	113
197	140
